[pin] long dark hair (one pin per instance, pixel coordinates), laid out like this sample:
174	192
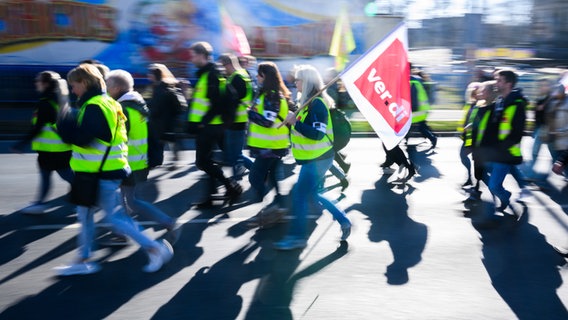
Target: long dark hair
272	79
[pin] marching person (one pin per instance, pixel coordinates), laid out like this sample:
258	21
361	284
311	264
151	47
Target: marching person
166	105
52	153
205	120
268	141
501	130
420	108
120	86
312	147
235	132
99	159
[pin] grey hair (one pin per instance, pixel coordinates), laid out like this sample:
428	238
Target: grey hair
121	79
312	84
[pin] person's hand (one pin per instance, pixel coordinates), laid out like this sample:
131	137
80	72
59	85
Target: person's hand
291	118
558	168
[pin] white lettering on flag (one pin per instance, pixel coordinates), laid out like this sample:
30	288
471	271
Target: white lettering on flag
379	84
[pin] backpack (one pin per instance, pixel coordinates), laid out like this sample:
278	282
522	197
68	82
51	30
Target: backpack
178	99
341	128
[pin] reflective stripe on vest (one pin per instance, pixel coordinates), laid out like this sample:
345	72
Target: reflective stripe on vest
200	104
48	139
241	115
89	158
273	137
505	127
470	111
423	106
137	140
307	149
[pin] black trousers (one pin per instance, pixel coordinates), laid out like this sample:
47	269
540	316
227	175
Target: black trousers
207	139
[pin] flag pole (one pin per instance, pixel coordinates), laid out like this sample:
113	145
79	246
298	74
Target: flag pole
305	104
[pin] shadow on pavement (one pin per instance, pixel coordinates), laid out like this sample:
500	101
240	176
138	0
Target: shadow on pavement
522	265
390	222
99	295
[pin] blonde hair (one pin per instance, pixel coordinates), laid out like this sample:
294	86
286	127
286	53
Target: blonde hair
89	75
312	84
471	92
490	93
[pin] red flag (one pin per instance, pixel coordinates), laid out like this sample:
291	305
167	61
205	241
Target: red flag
234	38
379	84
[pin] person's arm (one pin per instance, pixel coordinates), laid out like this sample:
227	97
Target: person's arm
315	125
45	114
271	109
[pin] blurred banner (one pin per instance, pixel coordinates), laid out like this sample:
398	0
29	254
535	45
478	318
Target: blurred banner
379	84
130	34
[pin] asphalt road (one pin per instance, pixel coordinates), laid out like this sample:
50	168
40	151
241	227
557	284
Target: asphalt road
416	252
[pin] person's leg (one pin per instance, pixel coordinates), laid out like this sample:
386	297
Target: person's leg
464	158
234	141
145	209
85	215
66	174
304	191
115	214
427	132
45	185
498	173
258	175
340	159
208	138
537	144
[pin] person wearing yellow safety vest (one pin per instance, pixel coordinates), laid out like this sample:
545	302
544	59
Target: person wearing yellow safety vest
268	140
205	120
486	95
120	86
95	129
236	122
469	111
499	135
420	109
312	147
53	153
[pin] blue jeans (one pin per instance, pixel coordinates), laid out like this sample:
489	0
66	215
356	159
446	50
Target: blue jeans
109	202
264	175
147	210
498	172
234	142
311	175
464	157
45	182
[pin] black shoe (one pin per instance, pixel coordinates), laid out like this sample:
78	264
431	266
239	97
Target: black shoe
467	183
345	167
434	142
411	171
234	190
387	164
206	204
344	184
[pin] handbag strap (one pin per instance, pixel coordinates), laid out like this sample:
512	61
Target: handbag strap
107	151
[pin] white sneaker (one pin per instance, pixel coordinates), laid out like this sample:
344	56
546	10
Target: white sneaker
34	208
523	195
77	268
157	259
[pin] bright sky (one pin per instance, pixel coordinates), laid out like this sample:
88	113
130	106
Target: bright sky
497	10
